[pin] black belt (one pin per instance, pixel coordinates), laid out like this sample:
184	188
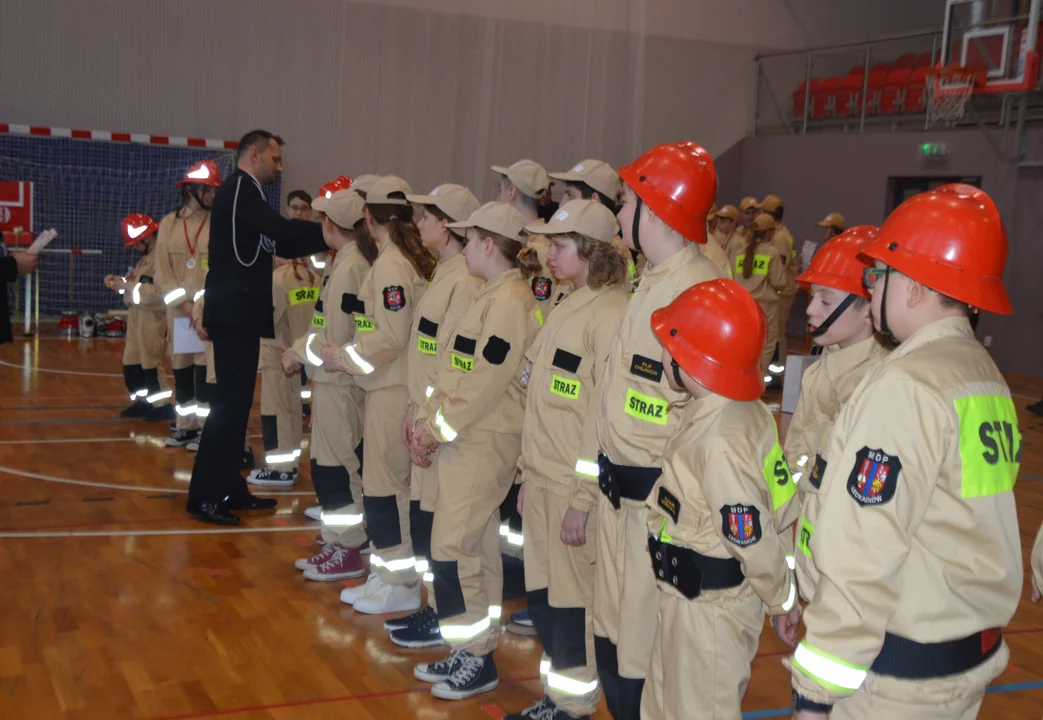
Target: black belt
910	660
625	481
690	572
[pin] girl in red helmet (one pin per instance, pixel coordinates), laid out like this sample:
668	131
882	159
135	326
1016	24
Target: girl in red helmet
181	264
145	345
720	512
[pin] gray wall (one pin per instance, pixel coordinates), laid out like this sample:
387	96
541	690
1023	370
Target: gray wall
819	173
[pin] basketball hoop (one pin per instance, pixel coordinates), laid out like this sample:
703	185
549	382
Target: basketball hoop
948	90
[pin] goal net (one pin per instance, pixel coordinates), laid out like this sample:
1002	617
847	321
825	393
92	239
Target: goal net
83	188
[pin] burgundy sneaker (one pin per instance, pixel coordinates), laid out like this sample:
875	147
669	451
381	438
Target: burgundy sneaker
315	560
343	563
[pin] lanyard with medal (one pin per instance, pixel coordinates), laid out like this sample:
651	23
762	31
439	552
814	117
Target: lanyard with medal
192	245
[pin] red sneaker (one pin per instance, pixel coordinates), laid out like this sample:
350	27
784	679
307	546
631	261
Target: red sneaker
342	564
315	560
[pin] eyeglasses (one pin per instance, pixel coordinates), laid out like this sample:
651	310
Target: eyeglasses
870	276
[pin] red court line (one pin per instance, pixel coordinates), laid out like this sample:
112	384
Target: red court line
323	701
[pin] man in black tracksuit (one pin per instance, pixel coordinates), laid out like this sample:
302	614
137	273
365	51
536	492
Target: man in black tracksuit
237	313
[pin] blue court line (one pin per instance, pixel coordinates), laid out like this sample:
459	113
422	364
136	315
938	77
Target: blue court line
991	690
1037	478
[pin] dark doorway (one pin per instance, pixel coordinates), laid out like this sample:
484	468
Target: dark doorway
903	188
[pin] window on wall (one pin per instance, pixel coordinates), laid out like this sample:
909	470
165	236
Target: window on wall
903	188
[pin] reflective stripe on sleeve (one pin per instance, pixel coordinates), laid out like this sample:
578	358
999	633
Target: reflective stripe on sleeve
587	469
174	295
448	434
828	670
358	360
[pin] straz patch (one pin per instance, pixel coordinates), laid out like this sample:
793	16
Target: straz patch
646	368
364	324
541	288
462	363
566	388
304	294
874	477
804	536
669	504
741	524
318	321
817	471
394	298
426	345
643	407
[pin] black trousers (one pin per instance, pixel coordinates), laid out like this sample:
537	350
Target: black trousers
215	475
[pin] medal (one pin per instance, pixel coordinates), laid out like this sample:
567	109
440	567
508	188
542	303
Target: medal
191	263
192	245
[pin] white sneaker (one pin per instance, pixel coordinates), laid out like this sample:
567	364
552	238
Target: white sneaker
314	512
389	598
192	446
351	594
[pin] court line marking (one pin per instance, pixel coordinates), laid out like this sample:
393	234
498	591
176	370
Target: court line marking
134	488
23	368
57	441
139	533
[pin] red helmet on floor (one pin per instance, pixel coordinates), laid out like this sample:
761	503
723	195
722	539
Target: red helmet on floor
953	241
678	182
839	263
204	172
137	227
716	332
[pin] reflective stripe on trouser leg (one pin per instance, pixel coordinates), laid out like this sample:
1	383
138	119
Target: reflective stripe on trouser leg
133	379
185	396
700	661
475	472
572	681
159	392
623	586
342	517
386	486
336	423
204	390
281	406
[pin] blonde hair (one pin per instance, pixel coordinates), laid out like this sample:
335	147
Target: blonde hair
605	266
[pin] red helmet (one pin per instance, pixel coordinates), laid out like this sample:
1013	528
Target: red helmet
839	263
341	182
953	241
678	182
137	227
204	172
716	332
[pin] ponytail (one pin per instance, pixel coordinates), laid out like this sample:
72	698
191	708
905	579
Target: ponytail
365	243
403	233
751	251
529	262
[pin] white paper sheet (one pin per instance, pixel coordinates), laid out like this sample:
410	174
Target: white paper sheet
185	339
42	240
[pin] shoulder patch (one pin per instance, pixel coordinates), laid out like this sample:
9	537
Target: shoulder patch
496	350
646	367
541	288
427	327
465	345
566	360
874	477
350	303
741	524
318	305
817	471
669	503
394	298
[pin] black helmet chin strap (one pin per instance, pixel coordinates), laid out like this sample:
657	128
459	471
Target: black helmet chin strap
833	316
884	329
677	372
637	222
193	189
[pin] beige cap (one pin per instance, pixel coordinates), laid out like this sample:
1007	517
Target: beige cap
456	201
526	175
363	183
770	204
833	220
764	222
586	217
597	174
344	208
496	217
319	203
728	211
385	188
748	202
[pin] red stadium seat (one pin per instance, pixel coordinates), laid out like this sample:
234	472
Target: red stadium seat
907	60
892	94
823	100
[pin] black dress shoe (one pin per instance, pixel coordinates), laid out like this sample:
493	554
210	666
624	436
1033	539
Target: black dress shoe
1036	408
140	408
160	413
250	502
211	512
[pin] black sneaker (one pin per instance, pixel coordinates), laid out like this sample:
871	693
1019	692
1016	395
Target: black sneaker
272	477
1036	408
521	624
436	671
544	709
469	676
138	409
424	633
416	618
180	438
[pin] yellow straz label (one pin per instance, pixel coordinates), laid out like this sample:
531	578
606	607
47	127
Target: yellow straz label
462	363
643	407
804	538
364	324
426	345
304	294
760	264
203	263
318	321
568	389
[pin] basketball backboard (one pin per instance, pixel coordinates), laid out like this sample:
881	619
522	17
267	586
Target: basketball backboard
998	39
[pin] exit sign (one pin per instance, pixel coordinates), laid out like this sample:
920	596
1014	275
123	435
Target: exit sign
932	151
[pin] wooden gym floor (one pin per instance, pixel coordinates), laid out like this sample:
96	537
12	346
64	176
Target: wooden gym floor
114	604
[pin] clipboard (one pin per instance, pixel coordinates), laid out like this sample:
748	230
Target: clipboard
186	342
